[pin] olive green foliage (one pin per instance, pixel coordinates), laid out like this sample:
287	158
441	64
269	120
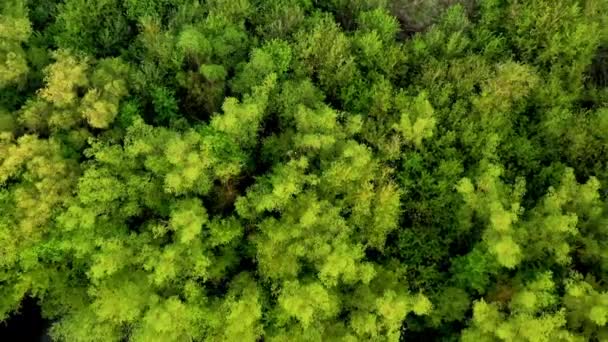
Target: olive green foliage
298	170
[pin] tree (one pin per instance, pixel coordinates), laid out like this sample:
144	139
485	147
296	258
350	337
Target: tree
305	170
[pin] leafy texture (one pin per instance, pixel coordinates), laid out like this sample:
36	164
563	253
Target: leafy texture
296	170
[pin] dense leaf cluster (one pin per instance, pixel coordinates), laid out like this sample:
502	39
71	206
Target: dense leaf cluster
303	170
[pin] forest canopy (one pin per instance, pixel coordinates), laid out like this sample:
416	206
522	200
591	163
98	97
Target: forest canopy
304	170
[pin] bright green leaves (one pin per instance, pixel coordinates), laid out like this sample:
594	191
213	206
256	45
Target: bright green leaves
380	307
178	262
500	206
565	52
587	305
317	129
83	326
213	72
308	302
160	47
122	299
194	43
536	295
187	166
120	190
549	40
449	38
126	207
241	121
599	315
279	187
59	105
274	57
315	222
49	175
297	170
554	222
486	319
113	255
188	219
323	51
169	320
545	234
109	86
536	313
418	122
502	95
385	217
489	326
353	167
548	228
374	43
376	314
229	40
313	232
344	264
378	20
37	183
242	311
14	31
392	306
231	135
63	78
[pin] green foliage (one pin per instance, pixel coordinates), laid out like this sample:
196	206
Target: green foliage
94	27
305	170
14	31
59	104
